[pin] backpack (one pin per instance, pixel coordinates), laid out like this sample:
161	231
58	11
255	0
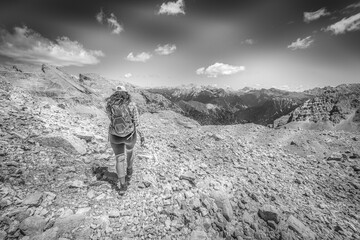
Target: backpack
121	119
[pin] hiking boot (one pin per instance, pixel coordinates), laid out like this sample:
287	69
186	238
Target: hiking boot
122	189
129	172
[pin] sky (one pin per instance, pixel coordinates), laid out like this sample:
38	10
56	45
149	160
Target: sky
287	44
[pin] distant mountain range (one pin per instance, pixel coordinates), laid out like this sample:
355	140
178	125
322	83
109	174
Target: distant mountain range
210	105
333	108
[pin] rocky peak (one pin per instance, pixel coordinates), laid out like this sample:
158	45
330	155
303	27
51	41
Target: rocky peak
331	107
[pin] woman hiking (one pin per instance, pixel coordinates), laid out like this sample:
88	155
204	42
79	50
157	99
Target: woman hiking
124	118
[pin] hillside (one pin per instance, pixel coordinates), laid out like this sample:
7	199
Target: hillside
333	108
190	181
210	105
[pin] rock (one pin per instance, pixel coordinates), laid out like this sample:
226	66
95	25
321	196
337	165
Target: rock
2	235
33	199
247	218
32	225
148	180
354	155
196	203
91	194
66	212
222	202
68	223
189	194
14	225
68	143
50	196
356	168
83	210
217	137
189	176
297	226
85	136
4	203
77	184
286	235
104	221
335	156
101	196
113	213
269	213
50	234
272	224
61	105
167	223
207	223
198	235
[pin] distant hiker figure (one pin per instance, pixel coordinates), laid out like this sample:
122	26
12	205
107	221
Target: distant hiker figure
124	118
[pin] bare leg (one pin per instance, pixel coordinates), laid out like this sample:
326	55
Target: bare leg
121	166
129	160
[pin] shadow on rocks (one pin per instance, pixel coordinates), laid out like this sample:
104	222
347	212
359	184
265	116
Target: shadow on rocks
103	174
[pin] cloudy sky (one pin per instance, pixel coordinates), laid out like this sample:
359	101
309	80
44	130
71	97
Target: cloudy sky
293	45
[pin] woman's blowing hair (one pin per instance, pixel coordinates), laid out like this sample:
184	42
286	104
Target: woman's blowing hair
118	97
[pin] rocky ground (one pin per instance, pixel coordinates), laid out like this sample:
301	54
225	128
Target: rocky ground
190	181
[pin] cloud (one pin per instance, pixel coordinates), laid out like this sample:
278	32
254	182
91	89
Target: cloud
248	41
349	24
354	5
27	45
141	57
284	87
166	49
113	23
301	43
219	69
312	16
100	16
128	75
172	8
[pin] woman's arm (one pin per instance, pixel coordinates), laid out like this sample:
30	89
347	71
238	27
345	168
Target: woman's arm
135	114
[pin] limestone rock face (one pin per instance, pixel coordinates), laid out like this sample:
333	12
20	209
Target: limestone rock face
331	108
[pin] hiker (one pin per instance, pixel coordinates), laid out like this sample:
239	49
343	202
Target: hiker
124	118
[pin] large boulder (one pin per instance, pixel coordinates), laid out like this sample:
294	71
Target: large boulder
50	234
222	201
297	226
68	143
32	225
198	235
269	213
69	222
33	199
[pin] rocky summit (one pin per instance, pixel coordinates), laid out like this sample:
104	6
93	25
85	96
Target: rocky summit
190	181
